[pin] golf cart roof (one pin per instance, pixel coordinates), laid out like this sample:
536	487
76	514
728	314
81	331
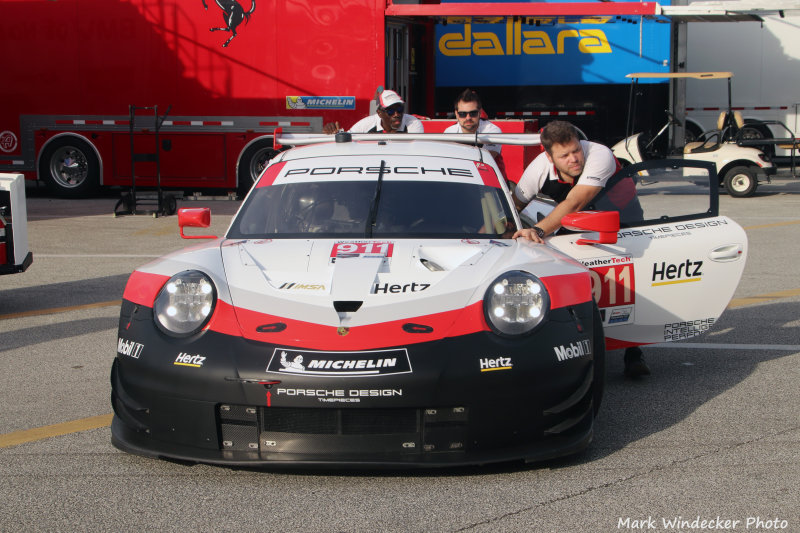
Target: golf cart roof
671	75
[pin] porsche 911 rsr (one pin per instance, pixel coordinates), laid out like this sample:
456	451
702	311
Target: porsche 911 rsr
368	306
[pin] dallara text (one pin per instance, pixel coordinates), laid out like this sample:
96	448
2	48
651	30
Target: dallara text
368	306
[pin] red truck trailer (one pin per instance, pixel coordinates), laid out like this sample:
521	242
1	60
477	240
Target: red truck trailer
231	72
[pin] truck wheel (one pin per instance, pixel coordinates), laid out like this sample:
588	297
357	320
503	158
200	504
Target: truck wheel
70	168
253	161
599	343
754	130
741	182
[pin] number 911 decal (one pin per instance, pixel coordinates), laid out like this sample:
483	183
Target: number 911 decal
613	287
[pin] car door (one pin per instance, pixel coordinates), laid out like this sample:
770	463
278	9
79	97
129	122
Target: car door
676	262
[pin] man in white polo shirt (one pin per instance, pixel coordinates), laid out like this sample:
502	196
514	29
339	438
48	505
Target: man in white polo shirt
573	173
389	118
468	110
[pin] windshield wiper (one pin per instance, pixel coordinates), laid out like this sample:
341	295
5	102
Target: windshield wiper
376	199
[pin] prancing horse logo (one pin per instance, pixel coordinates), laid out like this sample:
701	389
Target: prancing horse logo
233	14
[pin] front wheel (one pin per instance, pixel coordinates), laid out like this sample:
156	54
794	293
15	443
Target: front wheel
70	168
741	182
253	161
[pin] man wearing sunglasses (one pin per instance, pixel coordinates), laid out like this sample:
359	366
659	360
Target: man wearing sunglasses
468	113
390	118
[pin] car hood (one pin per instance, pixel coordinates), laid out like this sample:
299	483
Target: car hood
353	283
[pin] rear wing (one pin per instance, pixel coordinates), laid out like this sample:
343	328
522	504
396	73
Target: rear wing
301	139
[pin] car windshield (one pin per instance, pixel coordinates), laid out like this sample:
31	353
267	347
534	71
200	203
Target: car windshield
429	209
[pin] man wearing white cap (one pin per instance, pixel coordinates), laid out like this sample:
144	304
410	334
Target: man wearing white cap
389	118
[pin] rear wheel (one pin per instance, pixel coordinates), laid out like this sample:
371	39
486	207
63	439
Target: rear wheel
70	168
741	182
599	344
254	159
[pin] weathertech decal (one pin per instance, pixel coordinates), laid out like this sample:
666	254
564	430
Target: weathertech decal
339	364
669	274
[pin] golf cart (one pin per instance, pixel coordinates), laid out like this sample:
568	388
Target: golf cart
738	167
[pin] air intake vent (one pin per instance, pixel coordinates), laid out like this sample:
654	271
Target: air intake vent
346	306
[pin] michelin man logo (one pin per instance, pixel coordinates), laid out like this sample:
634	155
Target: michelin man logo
295	102
295	364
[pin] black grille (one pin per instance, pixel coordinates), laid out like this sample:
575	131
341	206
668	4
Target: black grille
340	421
299	430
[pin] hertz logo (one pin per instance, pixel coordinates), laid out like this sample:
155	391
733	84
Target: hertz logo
517	41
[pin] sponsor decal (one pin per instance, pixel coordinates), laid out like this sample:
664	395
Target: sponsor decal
512	50
579	348
302	286
686	330
129	348
669	274
339	364
499	243
612	281
470	241
8	141
320	102
675	230
606	261
385	288
515	41
349	249
338	395
620	315
400	171
185	359
489	364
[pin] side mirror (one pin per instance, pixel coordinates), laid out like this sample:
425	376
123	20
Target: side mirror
194	217
605	223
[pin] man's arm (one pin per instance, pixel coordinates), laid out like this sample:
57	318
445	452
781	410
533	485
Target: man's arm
578	198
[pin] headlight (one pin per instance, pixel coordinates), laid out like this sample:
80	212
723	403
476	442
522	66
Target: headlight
185	303
515	303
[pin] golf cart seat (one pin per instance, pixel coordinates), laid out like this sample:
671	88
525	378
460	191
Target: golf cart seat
727	126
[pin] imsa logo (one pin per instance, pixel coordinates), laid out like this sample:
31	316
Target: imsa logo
581	348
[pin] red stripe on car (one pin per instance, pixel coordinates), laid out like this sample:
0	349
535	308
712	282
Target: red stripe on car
453	323
568	289
270	175
487	175
143	287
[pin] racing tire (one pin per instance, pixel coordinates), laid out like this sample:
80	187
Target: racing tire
599	345
70	168
741	182
253	161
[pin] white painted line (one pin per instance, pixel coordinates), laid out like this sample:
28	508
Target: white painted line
713	346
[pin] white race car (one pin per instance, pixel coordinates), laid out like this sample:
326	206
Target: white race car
368	306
